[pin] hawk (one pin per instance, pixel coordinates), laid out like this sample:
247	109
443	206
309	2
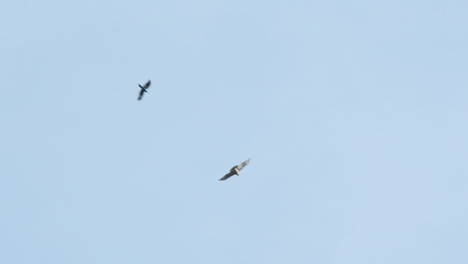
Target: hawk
143	89
235	170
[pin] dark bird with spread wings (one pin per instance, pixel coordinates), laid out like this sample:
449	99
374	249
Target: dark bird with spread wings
144	89
235	170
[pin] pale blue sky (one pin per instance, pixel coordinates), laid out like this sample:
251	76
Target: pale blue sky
354	115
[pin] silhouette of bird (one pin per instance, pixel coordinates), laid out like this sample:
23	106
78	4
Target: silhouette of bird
235	170
143	89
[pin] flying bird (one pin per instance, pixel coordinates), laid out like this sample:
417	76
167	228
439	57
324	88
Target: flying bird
143	89
235	170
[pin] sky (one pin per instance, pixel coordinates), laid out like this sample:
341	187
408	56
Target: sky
354	115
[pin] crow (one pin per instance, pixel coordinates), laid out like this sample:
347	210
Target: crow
143	89
235	170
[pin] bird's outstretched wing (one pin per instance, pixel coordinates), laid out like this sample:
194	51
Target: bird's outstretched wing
147	85
227	176
243	164
142	92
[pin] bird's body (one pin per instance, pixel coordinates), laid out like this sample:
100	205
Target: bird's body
143	89
235	170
